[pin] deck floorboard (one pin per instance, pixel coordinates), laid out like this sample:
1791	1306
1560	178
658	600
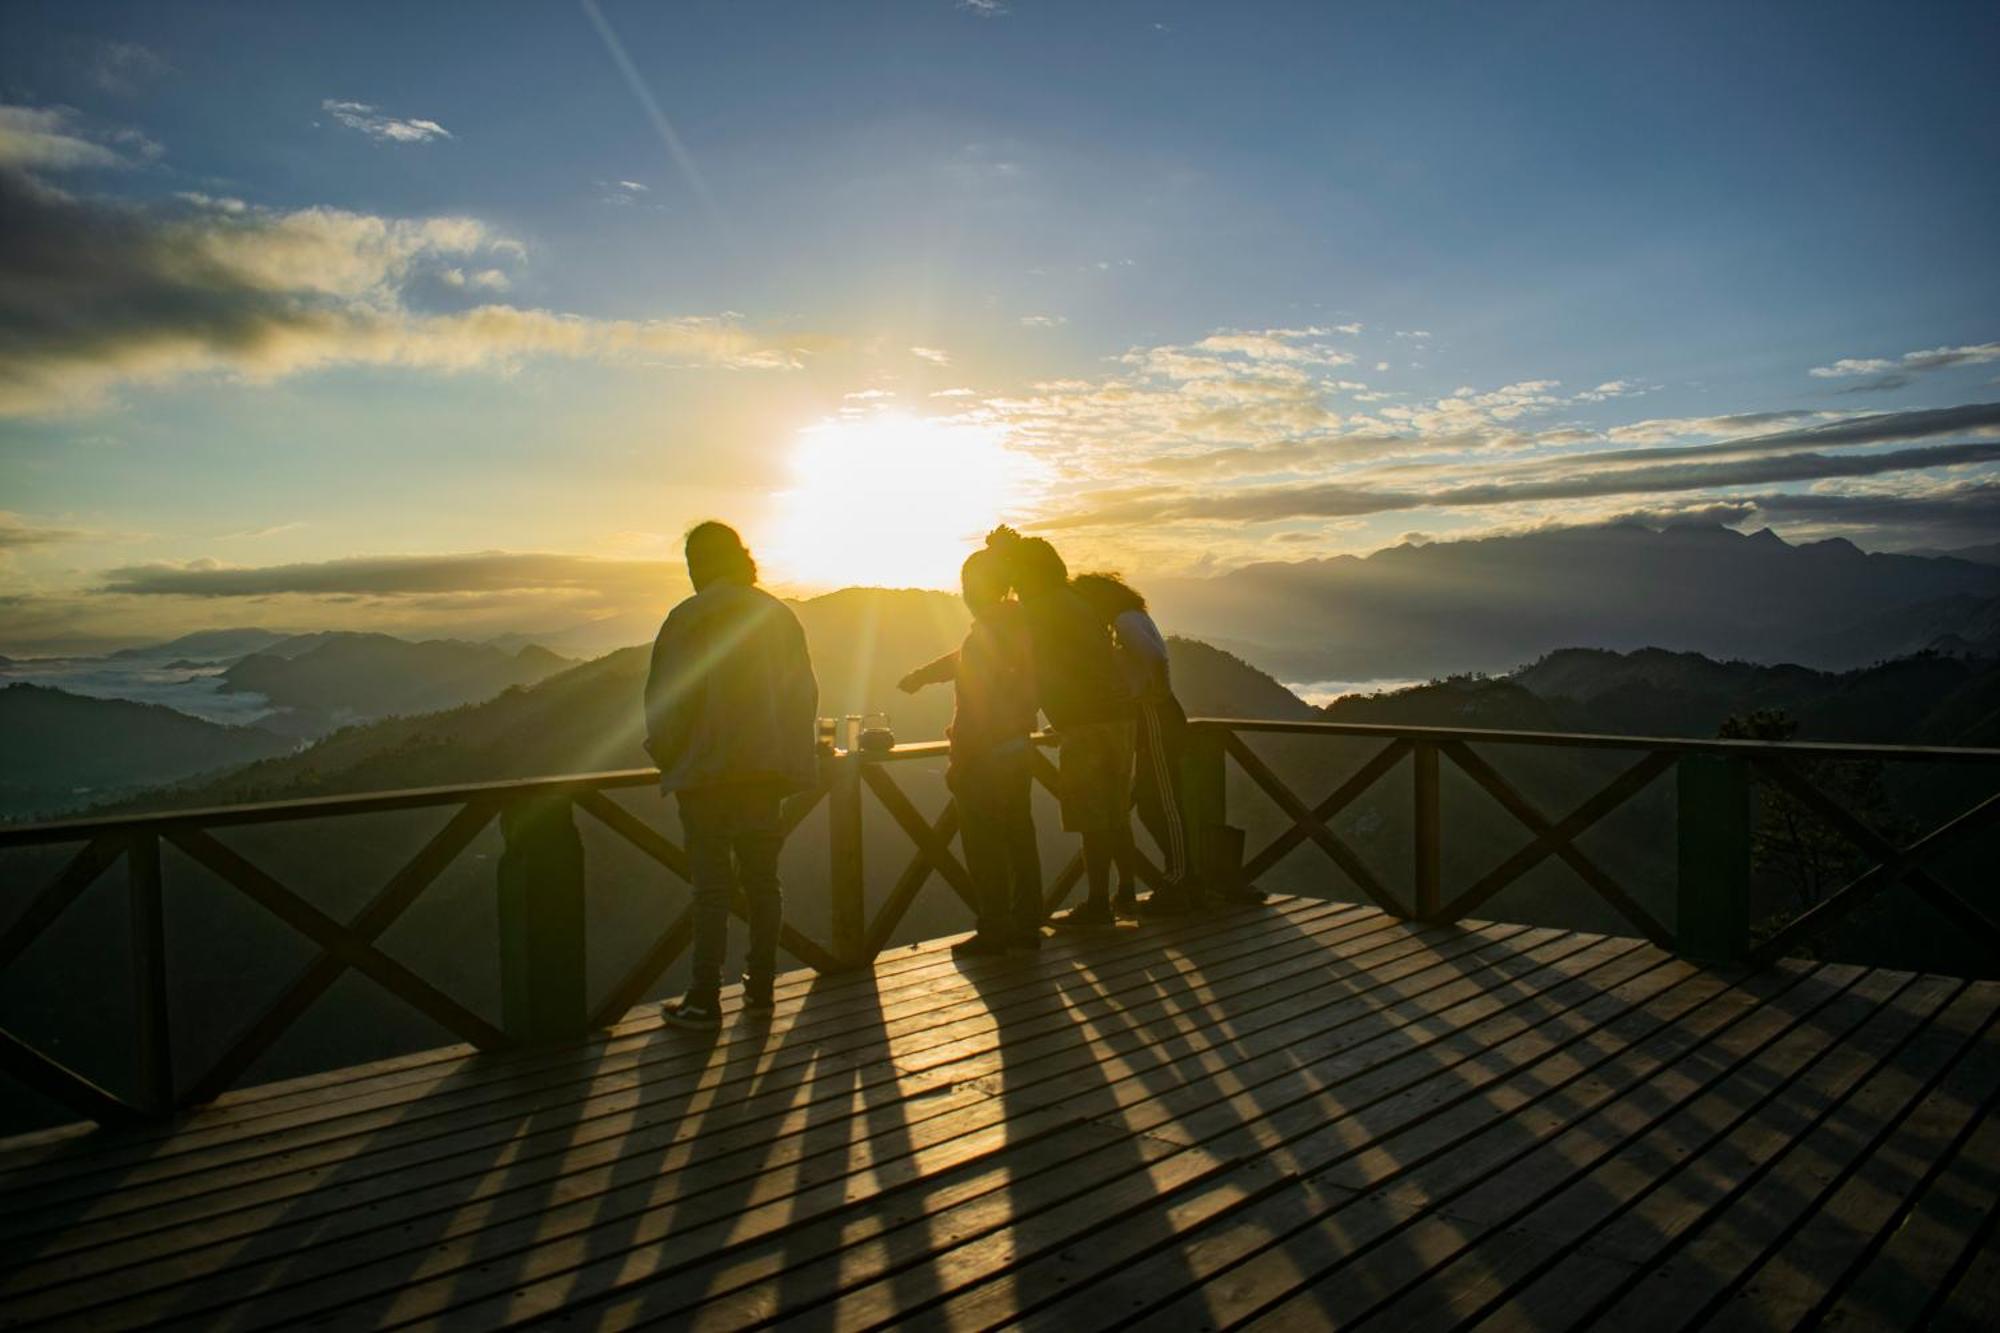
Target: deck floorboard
1305	1115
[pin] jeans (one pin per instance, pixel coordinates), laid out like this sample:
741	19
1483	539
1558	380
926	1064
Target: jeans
733	837
998	829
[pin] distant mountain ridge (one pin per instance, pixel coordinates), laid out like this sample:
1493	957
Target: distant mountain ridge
1491	604
322	681
65	750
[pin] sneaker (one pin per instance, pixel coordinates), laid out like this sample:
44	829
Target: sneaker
757	996
979	945
1096	912
1125	902
696	1009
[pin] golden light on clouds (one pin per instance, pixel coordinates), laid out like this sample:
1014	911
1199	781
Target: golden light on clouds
892	500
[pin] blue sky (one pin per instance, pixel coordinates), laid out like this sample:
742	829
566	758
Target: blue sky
350	293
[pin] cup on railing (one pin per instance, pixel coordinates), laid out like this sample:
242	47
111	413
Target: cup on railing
825	731
853	732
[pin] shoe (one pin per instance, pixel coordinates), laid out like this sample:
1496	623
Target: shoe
1094	913
979	945
696	1009
757	995
1025	941
1242	893
1125	902
1166	902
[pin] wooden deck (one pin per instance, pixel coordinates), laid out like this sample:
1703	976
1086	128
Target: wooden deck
1304	1115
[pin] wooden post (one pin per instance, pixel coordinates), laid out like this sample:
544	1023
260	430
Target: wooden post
151	1028
1427	828
1714	854
1205	801
846	907
542	984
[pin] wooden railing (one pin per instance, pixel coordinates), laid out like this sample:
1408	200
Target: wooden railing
542	880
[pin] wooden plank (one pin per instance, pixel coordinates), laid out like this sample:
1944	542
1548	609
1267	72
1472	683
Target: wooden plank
570	1285
390	901
335	938
1661	1181
60	1154
1325	838
614	1095
77	874
1457	1152
494	1083
1781	1190
1920	1249
593	1211
1849	1219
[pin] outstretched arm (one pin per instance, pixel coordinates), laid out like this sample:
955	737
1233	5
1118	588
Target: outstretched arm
931	673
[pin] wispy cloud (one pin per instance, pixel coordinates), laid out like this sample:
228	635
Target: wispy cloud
1043	321
986	9
381	127
1895	372
54	138
937	356
19	533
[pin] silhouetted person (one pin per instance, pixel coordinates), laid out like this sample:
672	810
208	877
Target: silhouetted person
730	704
1082	690
991	772
1161	735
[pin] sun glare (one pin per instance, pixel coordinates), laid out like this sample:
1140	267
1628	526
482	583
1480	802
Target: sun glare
890	500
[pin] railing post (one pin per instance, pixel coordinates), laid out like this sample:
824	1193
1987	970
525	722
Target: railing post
1205	799
542	984
155	1054
1713	837
846	906
1427	831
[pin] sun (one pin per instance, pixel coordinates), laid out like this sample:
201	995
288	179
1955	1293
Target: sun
890	500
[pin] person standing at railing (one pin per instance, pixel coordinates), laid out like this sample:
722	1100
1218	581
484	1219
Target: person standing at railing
1161	737
1082	690
991	772
730	705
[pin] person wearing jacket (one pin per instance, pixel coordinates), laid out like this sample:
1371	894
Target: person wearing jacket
990	773
730	702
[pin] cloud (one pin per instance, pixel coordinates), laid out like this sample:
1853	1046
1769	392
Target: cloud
954	393
122	68
986	9
935	355
395	576
631	187
51	139
17	533
96	294
1897	371
381	128
1043	321
1261	504
486	279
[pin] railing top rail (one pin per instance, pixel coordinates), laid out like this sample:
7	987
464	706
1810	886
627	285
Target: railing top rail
322	807
365	803
1950	754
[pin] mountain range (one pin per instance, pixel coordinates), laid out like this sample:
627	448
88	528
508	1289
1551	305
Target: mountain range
1430	609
